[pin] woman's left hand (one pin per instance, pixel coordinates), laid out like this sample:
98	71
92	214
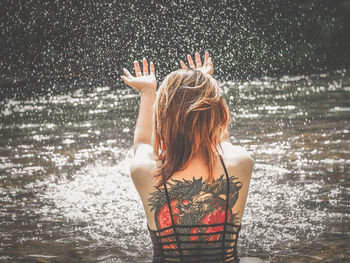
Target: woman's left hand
142	82
207	67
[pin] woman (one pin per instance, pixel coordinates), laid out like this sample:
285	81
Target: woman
192	181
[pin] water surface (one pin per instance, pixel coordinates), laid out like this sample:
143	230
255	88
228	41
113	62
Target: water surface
66	194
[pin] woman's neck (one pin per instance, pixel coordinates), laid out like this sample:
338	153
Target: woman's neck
201	153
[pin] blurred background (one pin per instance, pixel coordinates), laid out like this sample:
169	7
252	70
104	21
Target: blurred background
65	40
67	122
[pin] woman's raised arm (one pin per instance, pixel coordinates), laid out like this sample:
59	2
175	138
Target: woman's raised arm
146	83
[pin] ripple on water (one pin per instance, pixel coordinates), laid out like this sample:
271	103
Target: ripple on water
65	188
103	197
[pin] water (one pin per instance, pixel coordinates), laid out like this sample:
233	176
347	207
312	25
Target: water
66	194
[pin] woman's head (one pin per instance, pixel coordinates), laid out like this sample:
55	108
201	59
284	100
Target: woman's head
189	114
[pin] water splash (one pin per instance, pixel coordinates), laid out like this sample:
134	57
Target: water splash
65	188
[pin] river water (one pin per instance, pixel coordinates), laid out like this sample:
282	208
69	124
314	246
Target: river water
66	194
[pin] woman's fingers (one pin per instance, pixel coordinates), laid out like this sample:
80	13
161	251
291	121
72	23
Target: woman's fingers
190	61
145	67
210	62
210	66
206	57
127	73
137	69
183	65
152	69
125	79
198	60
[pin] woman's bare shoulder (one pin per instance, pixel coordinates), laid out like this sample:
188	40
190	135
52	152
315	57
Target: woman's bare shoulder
144	161
236	152
237	159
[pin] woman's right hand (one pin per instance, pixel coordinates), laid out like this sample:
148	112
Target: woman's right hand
207	67
145	81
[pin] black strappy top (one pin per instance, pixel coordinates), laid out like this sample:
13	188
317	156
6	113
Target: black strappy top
180	243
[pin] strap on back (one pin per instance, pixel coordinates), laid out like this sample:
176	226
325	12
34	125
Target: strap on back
226	213
226	208
172	221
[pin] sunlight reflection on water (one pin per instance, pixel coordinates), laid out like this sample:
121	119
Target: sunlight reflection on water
65	184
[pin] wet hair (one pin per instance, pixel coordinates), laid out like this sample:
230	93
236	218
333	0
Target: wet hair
189	113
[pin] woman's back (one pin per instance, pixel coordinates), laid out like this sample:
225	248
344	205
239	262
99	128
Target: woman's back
204	220
192	193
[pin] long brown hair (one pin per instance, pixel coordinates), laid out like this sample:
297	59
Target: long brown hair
189	113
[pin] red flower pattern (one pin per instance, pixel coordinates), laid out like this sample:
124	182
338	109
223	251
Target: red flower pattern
215	216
